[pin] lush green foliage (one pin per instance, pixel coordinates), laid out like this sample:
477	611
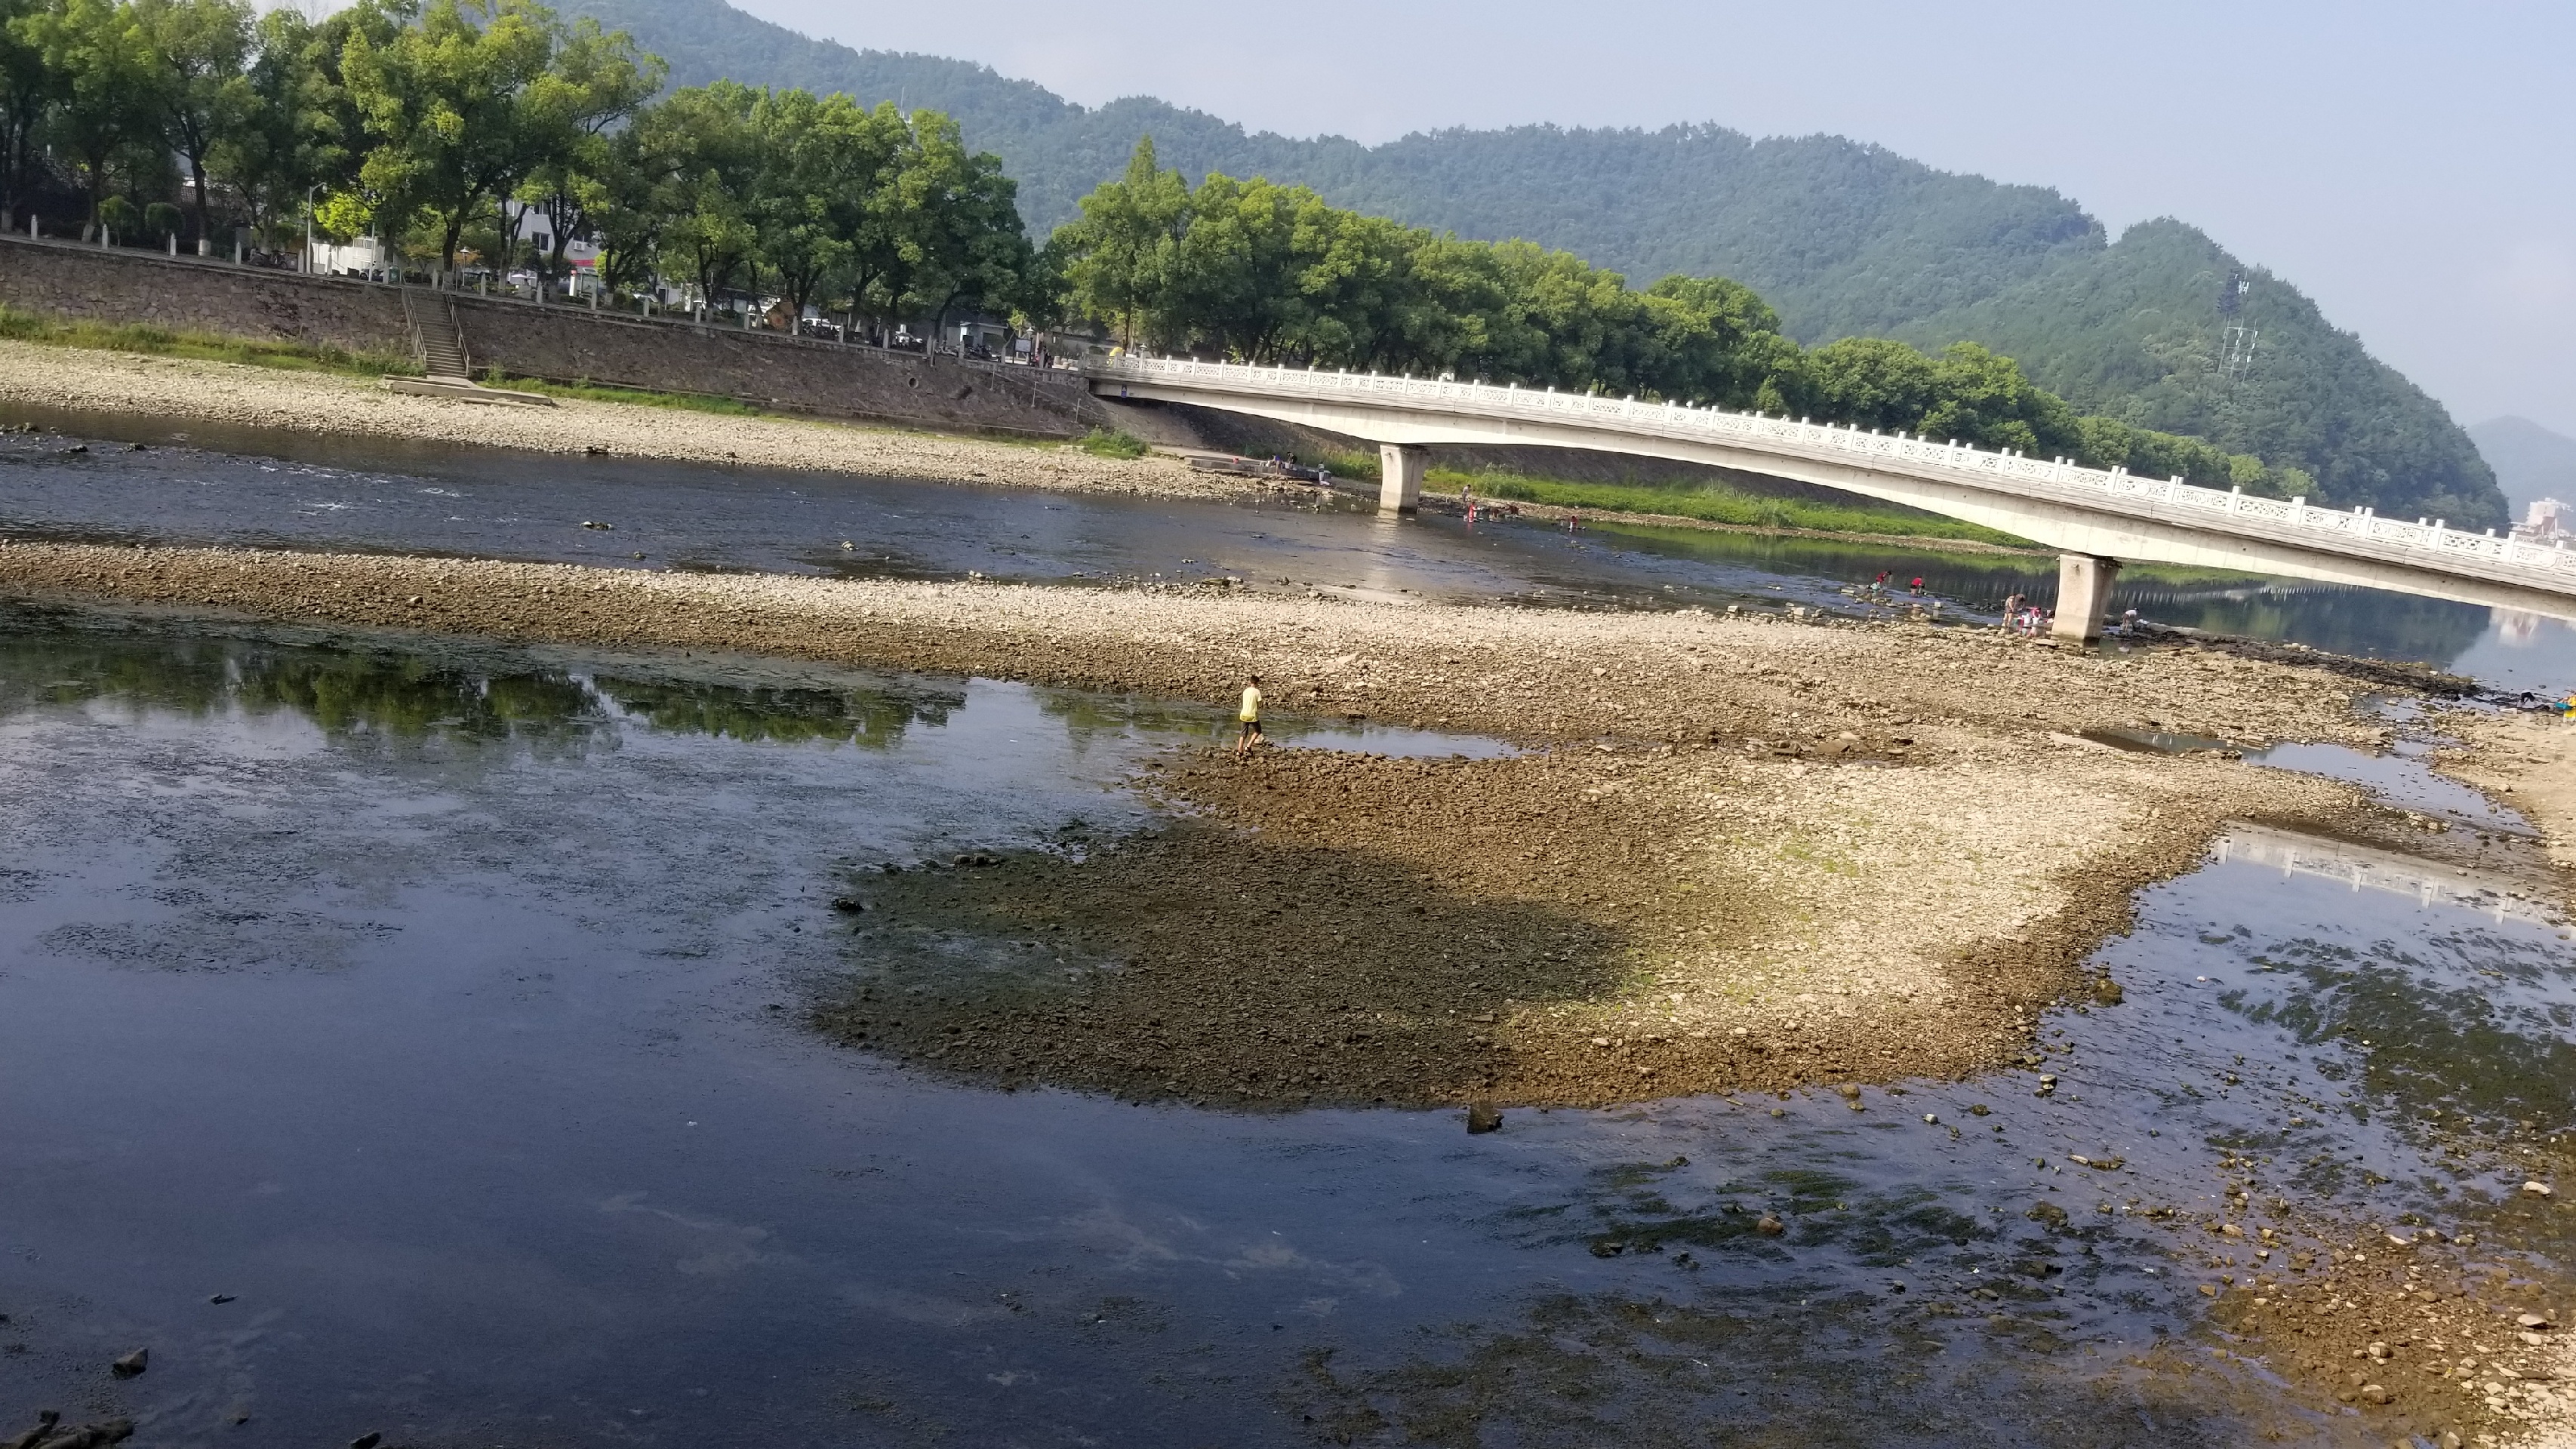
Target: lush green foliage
1843	239
1102	443
1271	274
451	127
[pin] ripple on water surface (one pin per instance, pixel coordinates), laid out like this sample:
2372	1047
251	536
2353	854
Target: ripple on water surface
438	1008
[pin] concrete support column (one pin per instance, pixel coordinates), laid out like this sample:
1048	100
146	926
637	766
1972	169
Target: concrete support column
1400	471
2083	595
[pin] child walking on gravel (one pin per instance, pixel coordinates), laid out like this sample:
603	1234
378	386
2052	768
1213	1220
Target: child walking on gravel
1249	717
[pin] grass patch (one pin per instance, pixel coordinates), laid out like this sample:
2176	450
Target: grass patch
640	397
203	346
1101	443
1716	503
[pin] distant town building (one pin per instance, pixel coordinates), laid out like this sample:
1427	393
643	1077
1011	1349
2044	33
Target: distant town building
2549	521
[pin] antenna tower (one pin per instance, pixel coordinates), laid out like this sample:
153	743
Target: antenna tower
2235	339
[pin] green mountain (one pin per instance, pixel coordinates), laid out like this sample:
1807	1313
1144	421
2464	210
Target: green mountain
1844	239
2529	460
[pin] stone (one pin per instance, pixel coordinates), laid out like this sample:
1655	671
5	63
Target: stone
2377	1394
1769	1226
848	905
2107	992
2532	1320
1483	1117
132	1364
1979	1110
2537	1189
367	1440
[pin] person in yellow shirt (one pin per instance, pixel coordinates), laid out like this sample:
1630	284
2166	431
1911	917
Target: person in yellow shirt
1249	717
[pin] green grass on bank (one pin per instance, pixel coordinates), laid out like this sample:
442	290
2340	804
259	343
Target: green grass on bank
1101	443
144	337
731	407
1710	503
1705	502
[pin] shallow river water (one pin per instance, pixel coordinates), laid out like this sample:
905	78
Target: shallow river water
252	487
439	1008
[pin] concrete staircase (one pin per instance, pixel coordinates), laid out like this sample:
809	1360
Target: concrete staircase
436	340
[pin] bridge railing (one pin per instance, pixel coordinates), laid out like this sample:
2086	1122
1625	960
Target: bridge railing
2173	499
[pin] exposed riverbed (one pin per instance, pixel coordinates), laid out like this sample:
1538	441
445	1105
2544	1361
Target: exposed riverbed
487	976
442	1009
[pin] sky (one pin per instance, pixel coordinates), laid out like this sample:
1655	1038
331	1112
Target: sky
2410	166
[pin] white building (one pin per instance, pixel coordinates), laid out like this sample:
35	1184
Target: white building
2548	521
365	257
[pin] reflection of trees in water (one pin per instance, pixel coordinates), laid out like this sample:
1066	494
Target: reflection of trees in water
1087	717
189	676
872	719
408	696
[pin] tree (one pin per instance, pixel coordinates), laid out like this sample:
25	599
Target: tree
200	48
28	90
816	168
703	155
1125	246
596	81
959	220
108	88
286	139
469	98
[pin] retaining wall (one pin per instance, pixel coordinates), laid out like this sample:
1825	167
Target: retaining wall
557	342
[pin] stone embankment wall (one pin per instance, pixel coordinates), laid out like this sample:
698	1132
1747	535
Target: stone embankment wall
558	343
191	294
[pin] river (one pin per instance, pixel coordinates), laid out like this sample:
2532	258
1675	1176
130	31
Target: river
408	1038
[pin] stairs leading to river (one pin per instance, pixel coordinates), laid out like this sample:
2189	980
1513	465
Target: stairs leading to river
436	340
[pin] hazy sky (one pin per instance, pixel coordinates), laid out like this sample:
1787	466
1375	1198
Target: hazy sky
2412	167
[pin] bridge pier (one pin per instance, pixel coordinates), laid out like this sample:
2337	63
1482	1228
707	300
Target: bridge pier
1400	471
2083	595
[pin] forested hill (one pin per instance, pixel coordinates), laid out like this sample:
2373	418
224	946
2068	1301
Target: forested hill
1843	239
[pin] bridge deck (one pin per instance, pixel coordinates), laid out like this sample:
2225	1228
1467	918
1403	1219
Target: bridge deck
2358	534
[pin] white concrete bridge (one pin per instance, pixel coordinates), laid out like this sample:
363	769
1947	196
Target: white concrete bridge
2096	520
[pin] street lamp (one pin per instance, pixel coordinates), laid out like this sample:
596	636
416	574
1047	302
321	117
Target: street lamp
308	228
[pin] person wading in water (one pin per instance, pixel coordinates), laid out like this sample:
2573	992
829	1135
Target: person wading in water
1249	717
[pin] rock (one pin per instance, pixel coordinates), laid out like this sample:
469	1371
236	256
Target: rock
2107	992
2049	1213
1608	1247
1979	1110
1932	1117
2532	1320
2377	1394
848	905
46	1419
1483	1117
2537	1189
367	1440
132	1364
1769	1226
221	1298
2047	1086
2535	1340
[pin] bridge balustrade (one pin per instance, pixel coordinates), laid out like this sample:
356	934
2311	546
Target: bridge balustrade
1824	442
